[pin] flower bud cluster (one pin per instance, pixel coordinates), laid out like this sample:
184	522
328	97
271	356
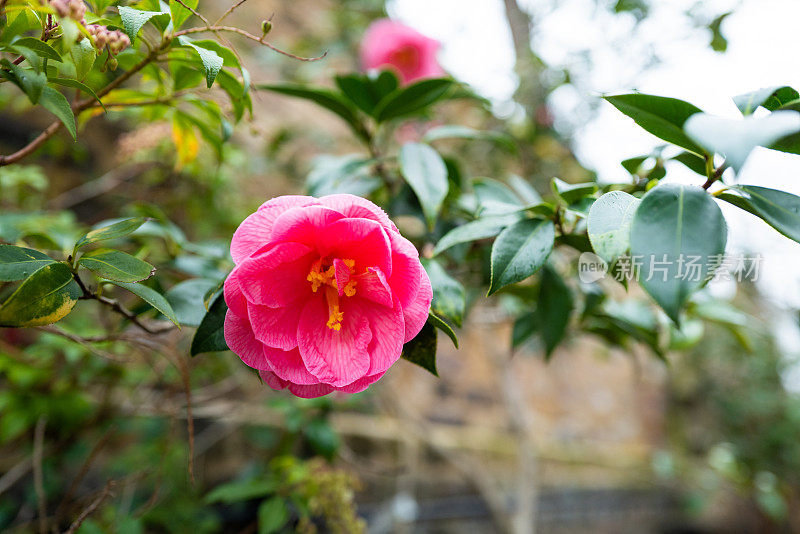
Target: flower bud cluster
74	9
116	40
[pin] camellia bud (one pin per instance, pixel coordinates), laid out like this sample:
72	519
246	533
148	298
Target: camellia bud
101	39
61	7
266	27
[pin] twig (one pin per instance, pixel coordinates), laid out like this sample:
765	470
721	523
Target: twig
228	12
84	469
91	508
38	482
716	176
250	36
117	307
97	187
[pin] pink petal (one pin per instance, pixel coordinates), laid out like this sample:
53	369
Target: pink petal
241	340
362	240
278	276
256	229
355	207
275	327
372	285
361	384
342	272
310	392
272	381
335	357
416	313
406	269
302	225
288	365
233	294
388	334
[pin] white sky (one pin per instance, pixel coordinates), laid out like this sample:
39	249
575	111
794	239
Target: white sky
609	54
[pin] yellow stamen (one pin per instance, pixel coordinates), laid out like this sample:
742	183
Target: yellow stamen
327	278
335	316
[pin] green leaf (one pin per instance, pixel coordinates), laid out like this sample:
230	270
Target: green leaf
241	491
735	139
75	84
779	209
677	232
462	132
519	251
692	161
571	193
495	197
524	328
113	231
444	327
358	89
83	55
210	335
45	297
770	98
449	296
609	224
57	104
426	173
150	296
32	83
632	165
228	56
212	62
17	263
134	19
553	309
179	13
422	349
187	298
661	116
322	97
272	515
718	41
41	48
116	265
474	230
412	99
341	174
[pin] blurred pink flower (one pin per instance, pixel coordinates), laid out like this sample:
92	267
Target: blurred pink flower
391	44
324	293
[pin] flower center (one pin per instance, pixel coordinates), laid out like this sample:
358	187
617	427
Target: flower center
336	278
406	57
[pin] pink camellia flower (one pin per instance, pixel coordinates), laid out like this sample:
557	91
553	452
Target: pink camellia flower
324	293
390	44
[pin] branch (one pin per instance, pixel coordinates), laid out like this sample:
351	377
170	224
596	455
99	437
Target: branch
91	508
250	36
117	307
229	11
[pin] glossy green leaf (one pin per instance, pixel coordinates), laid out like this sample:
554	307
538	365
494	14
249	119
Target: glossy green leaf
553	309
439	323
633	165
449	296
18	263
83	56
210	335
31	83
474	230
609	224
116	265
187	298
676	234
359	90
422	349
241	491
426	173
133	19
452	131
150	296
57	104
212	62
38	46
45	297
661	116
113	231
770	98
779	209
322	97
180	12
735	139
570	193
228	56
412	99
75	84
519	251
692	161
272	515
